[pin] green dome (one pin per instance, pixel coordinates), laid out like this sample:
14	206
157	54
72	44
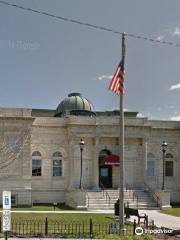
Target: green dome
75	104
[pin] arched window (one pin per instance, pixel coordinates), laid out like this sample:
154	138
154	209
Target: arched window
169	165
57	164
57	154
36	164
36	153
151	164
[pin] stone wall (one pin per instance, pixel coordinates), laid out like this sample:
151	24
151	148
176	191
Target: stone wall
48	196
76	199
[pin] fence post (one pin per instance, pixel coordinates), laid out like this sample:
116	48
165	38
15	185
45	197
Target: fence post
91	227
46	226
0	226
134	226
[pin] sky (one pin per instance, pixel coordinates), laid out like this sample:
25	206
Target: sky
43	59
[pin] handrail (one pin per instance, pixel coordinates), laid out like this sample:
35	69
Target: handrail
134	195
107	196
86	193
88	198
153	194
102	187
127	187
105	192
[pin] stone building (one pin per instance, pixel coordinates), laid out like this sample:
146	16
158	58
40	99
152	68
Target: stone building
40	157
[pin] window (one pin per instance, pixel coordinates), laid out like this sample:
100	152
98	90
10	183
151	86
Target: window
57	164
13	200
36	167
169	168
57	154
36	164
36	154
151	164
57	167
169	155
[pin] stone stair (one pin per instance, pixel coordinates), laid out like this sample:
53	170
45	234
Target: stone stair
105	200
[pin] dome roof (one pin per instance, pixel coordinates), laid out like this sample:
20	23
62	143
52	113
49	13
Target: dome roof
75	104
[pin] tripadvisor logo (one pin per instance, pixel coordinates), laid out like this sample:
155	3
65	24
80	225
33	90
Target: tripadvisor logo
139	231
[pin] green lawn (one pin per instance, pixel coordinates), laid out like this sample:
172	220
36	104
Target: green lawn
65	217
174	211
69	221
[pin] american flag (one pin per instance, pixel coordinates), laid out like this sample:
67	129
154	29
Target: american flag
117	83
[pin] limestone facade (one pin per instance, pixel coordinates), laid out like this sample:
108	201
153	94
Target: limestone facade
22	134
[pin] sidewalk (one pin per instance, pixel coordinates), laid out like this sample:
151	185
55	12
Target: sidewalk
161	220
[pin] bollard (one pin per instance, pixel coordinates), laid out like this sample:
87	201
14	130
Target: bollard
46	227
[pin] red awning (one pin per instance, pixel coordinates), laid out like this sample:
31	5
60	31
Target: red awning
111	160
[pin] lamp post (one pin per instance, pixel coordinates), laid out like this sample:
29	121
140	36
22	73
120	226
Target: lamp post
81	144
164	146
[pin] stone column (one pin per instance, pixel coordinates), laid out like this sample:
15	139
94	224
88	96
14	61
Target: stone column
70	163
145	145
96	165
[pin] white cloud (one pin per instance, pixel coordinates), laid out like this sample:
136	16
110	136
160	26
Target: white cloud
176	86
169	32
175	118
160	38
104	77
176	32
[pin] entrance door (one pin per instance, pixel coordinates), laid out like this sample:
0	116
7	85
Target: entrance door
105	176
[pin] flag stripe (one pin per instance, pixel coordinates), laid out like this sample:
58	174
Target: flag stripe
117	83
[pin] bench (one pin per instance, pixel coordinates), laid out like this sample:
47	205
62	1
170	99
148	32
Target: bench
131	212
134	212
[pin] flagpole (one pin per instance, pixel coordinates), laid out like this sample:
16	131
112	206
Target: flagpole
121	151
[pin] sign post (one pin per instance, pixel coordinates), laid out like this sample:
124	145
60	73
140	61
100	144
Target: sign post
6	213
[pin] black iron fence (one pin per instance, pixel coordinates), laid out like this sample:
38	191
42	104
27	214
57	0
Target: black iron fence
83	229
63	229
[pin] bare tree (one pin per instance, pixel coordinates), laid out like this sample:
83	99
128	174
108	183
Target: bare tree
10	151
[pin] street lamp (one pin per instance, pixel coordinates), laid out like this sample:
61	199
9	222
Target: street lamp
164	146
81	144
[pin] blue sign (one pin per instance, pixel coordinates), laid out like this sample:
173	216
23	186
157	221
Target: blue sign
6	200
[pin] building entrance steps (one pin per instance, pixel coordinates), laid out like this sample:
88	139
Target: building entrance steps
106	199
